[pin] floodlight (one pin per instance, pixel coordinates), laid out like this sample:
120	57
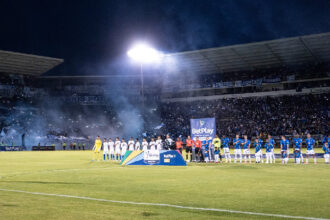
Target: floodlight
144	54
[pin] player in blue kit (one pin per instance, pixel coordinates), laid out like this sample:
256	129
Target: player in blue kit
258	151
216	155
285	149
326	139
285	157
326	150
269	152
206	147
297	144
297	156
225	144
237	147
260	140
310	148
272	143
246	143
207	144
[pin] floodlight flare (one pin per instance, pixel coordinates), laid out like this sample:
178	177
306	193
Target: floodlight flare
144	54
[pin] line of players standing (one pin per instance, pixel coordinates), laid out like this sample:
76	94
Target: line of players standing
210	150
115	150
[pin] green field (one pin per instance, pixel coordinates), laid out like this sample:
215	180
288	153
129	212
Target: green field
294	190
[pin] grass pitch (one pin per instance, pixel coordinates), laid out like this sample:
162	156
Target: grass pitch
295	190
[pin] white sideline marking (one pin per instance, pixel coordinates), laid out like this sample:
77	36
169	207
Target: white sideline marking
165	205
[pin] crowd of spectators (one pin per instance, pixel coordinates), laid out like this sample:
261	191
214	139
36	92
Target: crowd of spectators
273	115
38	113
250	78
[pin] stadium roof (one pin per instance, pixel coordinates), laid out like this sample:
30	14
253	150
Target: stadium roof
253	56
27	64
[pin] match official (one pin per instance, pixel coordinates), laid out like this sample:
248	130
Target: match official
189	146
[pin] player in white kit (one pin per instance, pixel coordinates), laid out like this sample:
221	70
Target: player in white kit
144	144
111	146
152	144
123	146
131	144
159	143
137	144
117	149
105	150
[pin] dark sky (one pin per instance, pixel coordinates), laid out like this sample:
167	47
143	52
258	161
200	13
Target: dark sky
94	35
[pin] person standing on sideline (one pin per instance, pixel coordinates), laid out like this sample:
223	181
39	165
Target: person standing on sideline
205	147
152	144
169	143
97	148
178	144
326	139
105	149
237	145
258	151
217	145
225	146
124	147
211	150
297	144
197	145
326	150
117	149
246	149
145	144
131	144
310	148
189	146
285	149
268	148
159	143
137	144
272	144
111	146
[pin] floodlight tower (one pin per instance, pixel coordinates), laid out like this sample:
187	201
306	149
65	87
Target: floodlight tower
144	54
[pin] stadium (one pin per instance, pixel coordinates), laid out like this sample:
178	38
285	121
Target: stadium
236	128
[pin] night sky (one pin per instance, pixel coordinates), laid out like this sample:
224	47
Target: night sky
93	36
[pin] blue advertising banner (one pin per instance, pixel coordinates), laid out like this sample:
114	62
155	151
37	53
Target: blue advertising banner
154	157
202	128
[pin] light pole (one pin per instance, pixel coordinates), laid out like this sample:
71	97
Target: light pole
143	54
142	85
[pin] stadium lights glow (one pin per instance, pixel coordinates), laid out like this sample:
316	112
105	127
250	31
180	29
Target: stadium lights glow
144	54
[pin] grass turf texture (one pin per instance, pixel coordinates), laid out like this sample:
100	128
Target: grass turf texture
298	190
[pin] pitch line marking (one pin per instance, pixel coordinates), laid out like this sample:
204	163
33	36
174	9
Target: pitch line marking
165	205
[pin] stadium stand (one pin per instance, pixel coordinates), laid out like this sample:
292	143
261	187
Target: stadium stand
265	87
